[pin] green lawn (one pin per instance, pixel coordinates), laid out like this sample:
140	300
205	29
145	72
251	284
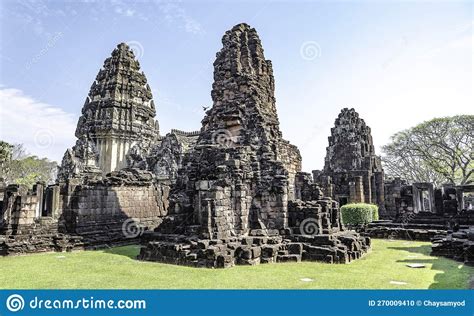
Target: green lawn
117	268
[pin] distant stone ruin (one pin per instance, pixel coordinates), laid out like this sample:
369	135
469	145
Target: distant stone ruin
352	172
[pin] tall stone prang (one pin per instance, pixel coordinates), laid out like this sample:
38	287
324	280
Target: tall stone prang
118	115
352	169
239	196
236	180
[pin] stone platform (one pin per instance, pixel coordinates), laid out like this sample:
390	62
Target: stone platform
456	245
341	247
423	226
395	230
27	244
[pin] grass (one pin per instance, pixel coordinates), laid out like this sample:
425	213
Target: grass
117	268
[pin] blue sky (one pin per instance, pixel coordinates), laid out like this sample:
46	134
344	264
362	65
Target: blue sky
396	63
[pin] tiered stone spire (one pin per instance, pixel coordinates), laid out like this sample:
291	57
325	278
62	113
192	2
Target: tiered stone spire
243	92
350	144
119	110
355	171
237	177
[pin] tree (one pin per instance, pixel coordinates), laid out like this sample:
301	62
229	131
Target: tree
17	166
440	151
5	157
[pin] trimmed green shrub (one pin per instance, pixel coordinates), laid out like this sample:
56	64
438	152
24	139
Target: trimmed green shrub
359	213
375	212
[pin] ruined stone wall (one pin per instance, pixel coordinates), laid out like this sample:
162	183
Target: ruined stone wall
22	229
290	156
458	245
82	215
167	154
97	211
20	212
402	198
398	198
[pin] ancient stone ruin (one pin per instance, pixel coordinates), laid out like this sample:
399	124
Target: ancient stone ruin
96	192
232	192
117	119
352	172
416	211
234	199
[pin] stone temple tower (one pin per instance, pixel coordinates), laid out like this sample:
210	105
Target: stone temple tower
118	114
117	120
238	176
352	172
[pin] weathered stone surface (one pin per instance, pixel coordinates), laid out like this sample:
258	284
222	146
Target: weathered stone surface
341	247
117	122
234	201
233	181
457	245
167	154
352	172
231	193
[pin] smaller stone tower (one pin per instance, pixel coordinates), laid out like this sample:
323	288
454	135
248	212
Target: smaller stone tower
352	172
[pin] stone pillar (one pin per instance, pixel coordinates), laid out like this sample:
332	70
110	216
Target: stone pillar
10	200
373	189
416	199
28	210
380	192
55	201
39	192
460	198
367	179
352	193
356	190
359	189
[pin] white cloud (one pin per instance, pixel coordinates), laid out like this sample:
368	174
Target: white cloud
123	9
175	14
44	129
461	37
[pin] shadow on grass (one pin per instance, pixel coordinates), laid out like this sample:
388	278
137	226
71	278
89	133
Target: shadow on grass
451	272
130	251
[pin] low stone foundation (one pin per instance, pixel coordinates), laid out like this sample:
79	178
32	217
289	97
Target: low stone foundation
456	245
26	244
423	226
341	247
403	233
